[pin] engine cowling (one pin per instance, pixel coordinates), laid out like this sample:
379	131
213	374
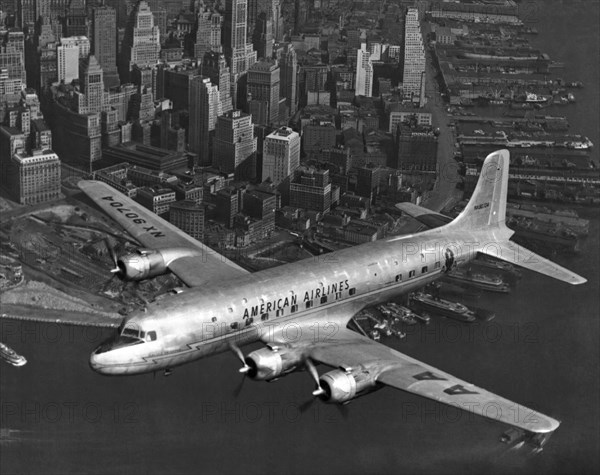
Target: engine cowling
147	263
340	386
267	364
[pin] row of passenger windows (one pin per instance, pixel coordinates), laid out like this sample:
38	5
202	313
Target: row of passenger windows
324	299
293	309
412	273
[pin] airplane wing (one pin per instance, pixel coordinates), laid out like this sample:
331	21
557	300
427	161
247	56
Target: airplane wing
194	268
334	345
510	251
429	218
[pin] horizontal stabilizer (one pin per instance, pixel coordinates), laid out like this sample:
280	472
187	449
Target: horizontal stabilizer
429	218
521	256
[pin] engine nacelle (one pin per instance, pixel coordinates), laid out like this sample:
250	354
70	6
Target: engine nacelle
342	386
267	364
147	263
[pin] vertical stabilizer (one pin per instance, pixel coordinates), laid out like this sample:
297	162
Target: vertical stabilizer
487	206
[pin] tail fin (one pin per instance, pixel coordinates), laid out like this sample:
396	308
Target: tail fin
486	210
487	206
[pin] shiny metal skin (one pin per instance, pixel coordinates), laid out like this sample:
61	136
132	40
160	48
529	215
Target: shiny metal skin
147	263
267	364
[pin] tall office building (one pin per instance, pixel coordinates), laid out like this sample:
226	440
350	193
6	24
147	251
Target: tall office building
364	72
263	92
214	66
91	77
141	44
414	55
281	155
81	42
67	56
204	109
12	56
262	36
288	63
104	42
239	52
75	19
235	144
209	25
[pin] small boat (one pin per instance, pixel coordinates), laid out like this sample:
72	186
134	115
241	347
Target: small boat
10	356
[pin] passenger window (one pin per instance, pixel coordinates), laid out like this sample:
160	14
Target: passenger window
235	325
309	304
411	273
424	270
338	295
214	319
324	299
352	291
264	316
294	308
398	277
151	336
251	320
279	313
437	265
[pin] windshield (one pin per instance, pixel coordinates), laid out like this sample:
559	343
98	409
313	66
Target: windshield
126	335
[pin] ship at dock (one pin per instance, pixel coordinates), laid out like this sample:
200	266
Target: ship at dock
480	280
554	235
495	264
425	302
10	356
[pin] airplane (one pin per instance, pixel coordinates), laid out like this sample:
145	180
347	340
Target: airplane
300	311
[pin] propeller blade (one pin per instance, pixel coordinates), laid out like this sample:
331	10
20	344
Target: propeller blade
306	405
113	256
238	389
236	350
319	391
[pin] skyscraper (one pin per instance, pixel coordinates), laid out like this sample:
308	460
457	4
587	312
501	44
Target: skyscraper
281	155
75	19
204	109
214	65
208	32
92	79
104	42
141	44
262	37
288	64
414	54
235	144
67	56
263	92
239	52
364	72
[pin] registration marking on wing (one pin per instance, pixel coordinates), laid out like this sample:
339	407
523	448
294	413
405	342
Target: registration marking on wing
458	389
429	376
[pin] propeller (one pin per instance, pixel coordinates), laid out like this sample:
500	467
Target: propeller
315	376
319	391
244	369
236	350
113	256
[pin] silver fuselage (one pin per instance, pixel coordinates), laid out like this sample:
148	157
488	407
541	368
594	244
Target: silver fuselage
202	321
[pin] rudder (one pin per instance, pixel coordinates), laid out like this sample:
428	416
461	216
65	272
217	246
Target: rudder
487	206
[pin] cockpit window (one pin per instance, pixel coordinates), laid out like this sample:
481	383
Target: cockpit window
131	331
151	336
